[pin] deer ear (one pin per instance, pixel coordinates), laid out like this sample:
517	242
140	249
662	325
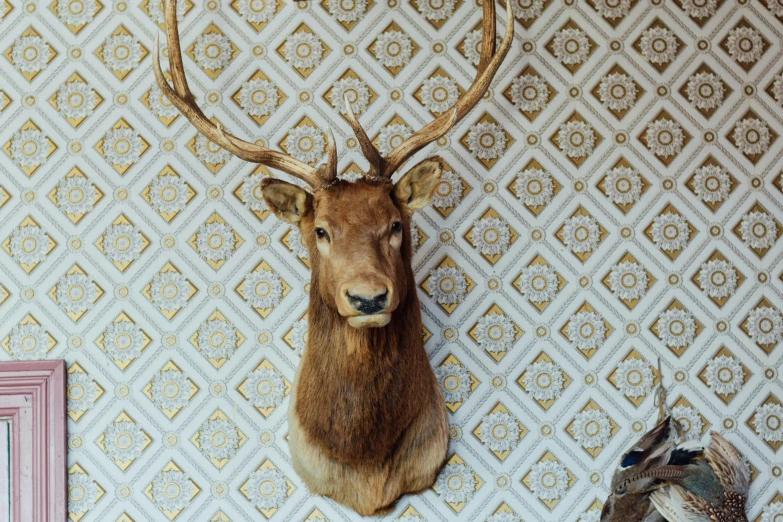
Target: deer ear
416	188
288	202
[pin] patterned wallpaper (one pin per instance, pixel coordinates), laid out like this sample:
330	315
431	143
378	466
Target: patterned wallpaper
616	200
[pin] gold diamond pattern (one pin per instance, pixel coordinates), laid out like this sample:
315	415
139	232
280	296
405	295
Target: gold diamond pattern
43	93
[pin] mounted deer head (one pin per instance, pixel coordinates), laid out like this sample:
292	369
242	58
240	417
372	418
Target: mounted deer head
371	426
358	234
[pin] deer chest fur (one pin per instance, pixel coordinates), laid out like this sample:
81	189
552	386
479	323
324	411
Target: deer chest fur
357	408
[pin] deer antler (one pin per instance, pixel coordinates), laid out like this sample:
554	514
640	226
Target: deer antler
489	64
183	99
323	176
368	149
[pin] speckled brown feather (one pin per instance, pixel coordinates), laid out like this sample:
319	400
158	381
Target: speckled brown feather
727	465
678	504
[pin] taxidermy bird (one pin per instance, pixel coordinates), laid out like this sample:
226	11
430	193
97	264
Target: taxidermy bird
629	500
659	479
712	489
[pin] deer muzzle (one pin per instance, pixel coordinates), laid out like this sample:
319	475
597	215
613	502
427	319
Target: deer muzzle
367	304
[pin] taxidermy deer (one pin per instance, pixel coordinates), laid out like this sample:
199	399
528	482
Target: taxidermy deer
367	419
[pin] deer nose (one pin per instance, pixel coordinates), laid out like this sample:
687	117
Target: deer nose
368	300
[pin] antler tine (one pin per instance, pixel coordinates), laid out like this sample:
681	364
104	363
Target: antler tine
181	97
328	171
487	35
176	67
443	123
368	149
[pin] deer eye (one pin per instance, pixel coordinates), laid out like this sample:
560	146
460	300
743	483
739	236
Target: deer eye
396	227
320	233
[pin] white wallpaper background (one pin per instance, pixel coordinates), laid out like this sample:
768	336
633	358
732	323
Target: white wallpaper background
616	200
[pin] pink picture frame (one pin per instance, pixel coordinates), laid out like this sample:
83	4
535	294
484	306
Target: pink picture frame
32	396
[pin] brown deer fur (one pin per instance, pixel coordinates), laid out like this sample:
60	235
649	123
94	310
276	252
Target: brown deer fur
367	421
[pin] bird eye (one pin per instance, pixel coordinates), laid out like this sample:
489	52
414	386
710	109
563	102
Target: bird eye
320	233
396	227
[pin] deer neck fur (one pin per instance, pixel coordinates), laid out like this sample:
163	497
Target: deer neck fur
359	389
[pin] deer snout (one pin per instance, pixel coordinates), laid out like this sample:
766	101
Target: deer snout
366	304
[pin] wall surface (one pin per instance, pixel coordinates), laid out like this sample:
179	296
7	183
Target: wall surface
616	201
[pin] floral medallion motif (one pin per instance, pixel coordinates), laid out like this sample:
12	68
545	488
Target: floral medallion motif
614	199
